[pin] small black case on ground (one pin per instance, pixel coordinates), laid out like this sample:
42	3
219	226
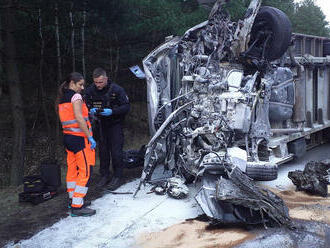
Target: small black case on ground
36	198
36	190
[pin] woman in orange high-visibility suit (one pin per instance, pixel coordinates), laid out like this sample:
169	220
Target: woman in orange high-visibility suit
78	142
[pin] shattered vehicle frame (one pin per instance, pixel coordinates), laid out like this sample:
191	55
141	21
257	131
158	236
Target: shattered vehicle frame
214	101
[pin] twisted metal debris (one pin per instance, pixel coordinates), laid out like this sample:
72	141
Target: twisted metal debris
204	99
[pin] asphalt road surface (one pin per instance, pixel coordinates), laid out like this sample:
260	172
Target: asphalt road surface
151	220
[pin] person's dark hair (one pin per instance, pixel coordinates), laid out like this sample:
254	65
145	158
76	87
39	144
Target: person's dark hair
75	77
99	72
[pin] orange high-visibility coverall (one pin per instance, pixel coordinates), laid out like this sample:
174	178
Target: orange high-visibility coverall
80	156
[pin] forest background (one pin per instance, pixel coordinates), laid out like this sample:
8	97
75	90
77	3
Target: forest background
41	41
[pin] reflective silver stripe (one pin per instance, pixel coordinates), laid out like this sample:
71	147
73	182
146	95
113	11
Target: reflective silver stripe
72	121
77	201
68	122
70	185
70	194
81	190
76	130
72	129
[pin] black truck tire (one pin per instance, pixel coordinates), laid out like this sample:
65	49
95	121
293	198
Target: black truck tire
261	171
273	20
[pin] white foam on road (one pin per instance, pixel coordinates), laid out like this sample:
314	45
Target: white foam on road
120	218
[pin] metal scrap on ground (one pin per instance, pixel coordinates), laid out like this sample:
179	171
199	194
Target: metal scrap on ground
314	179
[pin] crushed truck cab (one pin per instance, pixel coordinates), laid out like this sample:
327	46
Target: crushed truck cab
224	96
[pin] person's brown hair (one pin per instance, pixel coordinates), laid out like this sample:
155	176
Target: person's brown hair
75	77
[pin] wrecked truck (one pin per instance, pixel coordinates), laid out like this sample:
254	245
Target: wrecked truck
216	102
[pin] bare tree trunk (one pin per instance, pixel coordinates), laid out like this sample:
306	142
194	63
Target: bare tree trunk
58	48
153	38
59	70
116	69
1	62
111	59
17	161
41	83
72	39
83	40
117	63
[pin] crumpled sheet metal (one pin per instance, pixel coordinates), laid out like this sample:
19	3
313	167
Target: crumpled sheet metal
314	179
236	199
153	65
216	210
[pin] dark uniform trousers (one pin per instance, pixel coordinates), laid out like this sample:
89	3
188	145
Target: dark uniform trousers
111	146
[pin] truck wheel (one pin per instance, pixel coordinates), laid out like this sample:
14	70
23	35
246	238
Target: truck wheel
272	20
262	171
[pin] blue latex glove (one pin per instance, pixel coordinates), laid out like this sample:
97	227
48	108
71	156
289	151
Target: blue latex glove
106	112
92	141
93	111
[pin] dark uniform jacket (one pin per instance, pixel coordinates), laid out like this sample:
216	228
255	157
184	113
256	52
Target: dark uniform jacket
112	96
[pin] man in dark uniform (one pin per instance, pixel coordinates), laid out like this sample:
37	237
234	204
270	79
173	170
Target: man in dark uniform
108	105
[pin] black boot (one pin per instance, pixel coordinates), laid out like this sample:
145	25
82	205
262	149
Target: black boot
115	183
103	181
75	212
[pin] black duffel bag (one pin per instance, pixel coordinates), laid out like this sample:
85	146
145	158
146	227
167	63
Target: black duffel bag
134	158
36	190
51	173
33	184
